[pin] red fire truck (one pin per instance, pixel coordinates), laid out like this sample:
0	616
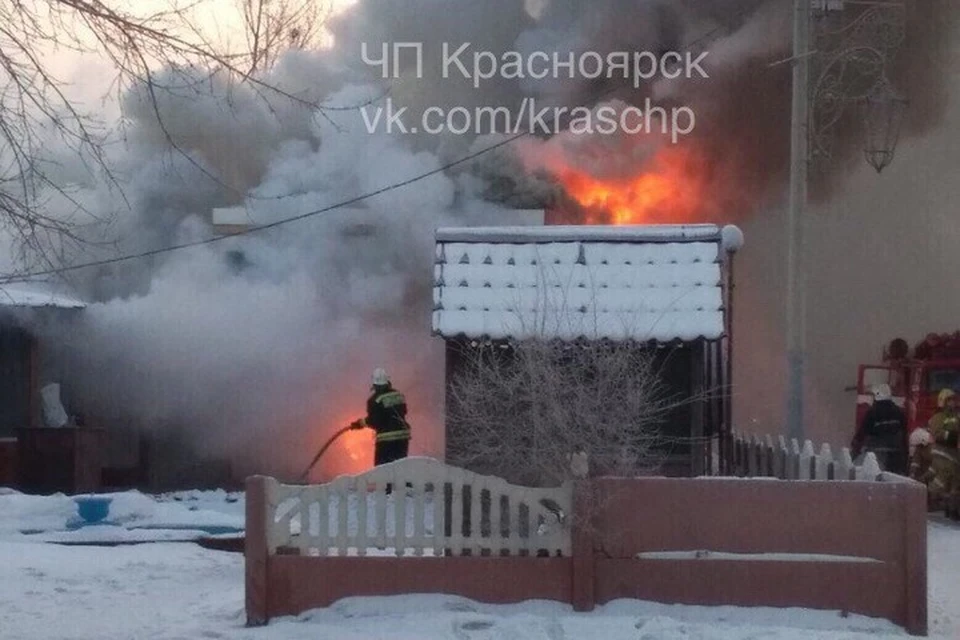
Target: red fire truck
916	376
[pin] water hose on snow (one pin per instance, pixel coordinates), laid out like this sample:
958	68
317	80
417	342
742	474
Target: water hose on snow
322	451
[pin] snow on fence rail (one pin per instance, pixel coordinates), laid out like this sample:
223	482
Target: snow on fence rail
417	506
754	457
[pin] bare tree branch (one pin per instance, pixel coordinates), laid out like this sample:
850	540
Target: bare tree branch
275	26
40	122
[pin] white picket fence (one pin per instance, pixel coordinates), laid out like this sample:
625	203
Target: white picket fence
753	457
433	509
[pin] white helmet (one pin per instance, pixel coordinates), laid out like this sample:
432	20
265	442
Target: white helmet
920	438
380	377
882	392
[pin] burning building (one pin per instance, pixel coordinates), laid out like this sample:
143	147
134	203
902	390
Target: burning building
258	347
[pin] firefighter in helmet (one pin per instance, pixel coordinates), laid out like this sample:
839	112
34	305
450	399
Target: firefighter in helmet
945	425
884	432
944	428
921	463
387	415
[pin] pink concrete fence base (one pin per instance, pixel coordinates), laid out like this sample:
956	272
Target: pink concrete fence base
858	547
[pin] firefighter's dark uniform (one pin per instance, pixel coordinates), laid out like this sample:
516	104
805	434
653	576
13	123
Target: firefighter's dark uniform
387	415
884	431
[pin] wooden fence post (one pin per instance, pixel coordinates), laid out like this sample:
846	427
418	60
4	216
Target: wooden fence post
761	459
732	448
846	469
733	451
769	470
794	460
808	462
824	463
583	562
757	457
781	458
870	470
256	552
744	469
754	447
730	453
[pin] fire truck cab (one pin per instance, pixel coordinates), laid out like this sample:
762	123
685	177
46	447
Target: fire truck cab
915	376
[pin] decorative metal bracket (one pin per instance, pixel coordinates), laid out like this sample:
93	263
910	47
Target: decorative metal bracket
853	42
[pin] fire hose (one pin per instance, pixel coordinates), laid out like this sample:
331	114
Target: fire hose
323	450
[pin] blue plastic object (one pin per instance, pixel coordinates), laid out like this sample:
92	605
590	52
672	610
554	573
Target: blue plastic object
93	508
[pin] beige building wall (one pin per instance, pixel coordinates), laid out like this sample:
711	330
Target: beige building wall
883	262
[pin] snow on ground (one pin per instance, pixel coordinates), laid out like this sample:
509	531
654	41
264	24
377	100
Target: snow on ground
180	591
943	553
133	516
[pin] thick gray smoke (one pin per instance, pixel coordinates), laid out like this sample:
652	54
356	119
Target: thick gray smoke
259	347
739	151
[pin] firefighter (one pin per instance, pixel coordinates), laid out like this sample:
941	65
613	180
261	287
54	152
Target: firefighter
921	464
945	425
944	428
921	448
884	432
387	415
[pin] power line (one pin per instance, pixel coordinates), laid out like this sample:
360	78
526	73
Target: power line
339	205
264	227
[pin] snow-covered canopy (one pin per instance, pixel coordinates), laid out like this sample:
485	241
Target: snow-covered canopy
33	295
650	283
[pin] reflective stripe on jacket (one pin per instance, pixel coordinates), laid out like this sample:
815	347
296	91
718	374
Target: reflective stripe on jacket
390	399
392	436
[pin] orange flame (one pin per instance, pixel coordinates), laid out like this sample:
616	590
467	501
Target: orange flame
357	445
352	453
669	190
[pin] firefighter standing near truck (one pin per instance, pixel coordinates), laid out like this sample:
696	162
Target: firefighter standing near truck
945	425
884	432
921	464
387	415
944	428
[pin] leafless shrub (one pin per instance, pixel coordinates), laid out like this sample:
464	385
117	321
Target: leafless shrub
522	408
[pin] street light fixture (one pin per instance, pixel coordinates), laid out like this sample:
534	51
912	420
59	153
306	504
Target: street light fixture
845	46
852	44
881	115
